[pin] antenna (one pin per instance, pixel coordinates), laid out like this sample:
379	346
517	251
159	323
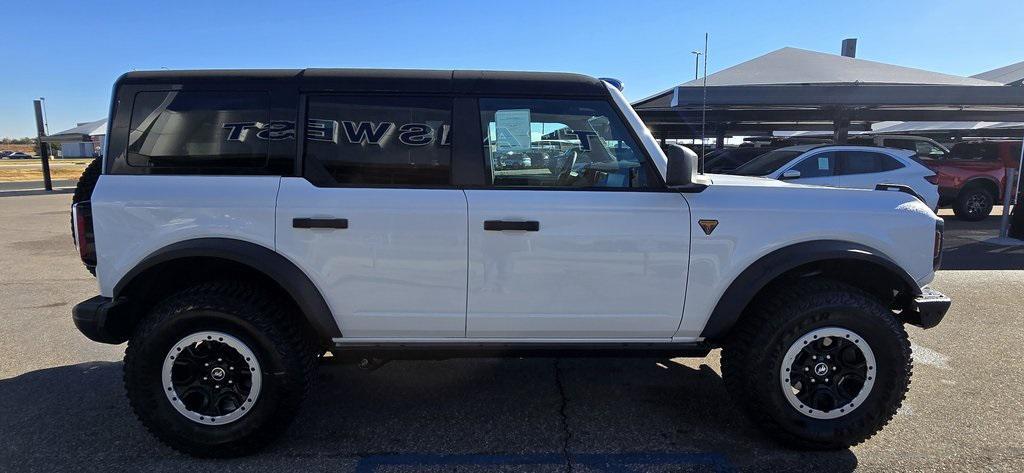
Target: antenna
704	109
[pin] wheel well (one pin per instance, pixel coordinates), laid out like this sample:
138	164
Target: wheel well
983	183
875	279
159	281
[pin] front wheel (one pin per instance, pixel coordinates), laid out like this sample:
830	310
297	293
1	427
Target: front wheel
217	370
821	365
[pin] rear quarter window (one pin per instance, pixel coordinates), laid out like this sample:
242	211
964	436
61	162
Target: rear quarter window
198	131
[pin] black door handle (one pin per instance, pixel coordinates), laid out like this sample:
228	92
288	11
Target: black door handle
502	225
320	222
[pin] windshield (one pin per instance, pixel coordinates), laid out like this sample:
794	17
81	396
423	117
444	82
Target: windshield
766	163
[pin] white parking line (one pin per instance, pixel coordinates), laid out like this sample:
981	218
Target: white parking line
927	356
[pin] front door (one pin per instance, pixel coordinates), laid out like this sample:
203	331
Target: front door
817	170
575	237
374	222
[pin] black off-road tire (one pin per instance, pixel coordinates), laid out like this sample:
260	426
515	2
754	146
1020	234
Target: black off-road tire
752	360
974	204
87	182
284	350
83	192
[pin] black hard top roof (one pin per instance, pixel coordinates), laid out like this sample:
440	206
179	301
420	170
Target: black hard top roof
388	80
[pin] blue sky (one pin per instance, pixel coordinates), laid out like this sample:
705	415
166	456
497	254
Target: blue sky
647	44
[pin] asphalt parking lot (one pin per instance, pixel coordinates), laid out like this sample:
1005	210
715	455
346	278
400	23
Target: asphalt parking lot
62	406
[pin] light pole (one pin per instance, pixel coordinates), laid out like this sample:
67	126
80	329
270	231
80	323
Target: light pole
696	64
44	148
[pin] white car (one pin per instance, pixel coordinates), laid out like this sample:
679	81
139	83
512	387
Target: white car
243	223
858	167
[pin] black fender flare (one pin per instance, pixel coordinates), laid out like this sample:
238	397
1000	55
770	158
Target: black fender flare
982	181
260	258
772	265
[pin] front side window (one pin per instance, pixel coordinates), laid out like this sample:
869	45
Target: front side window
818	165
199	130
378	141
561	143
921	149
926	150
767	163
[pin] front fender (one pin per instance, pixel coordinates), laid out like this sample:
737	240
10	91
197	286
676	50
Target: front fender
766	269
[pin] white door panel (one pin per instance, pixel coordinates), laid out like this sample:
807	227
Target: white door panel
398	270
134	216
828	181
868	180
602	264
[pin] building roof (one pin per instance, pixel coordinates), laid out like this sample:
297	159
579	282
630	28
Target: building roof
1008	75
793	66
388	80
82	132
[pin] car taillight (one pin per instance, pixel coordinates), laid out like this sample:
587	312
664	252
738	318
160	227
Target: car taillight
84	238
934	178
937	249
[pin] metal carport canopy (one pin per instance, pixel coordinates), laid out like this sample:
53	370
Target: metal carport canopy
796	89
760	108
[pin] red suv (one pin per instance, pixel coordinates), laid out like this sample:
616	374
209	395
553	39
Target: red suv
973	176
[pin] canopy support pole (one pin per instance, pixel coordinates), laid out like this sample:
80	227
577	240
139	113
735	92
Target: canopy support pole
841	128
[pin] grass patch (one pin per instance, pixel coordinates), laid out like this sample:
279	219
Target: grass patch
36	173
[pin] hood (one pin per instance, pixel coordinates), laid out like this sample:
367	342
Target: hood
767	193
750	181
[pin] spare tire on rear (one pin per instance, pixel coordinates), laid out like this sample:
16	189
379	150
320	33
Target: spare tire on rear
83	191
86	183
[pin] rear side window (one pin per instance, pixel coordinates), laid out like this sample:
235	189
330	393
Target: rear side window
863	162
378	141
198	131
889	163
975	151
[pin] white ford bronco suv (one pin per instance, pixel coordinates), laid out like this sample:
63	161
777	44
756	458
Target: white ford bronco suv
244	224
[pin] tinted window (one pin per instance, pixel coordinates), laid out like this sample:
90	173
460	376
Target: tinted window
767	163
819	165
560	143
729	159
889	163
861	162
898	143
353	141
198	130
921	148
975	151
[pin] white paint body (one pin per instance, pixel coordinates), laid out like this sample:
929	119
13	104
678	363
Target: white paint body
911	174
417	265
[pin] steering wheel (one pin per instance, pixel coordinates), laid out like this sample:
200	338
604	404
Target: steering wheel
568	163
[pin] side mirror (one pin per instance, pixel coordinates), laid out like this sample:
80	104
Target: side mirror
791	174
682	168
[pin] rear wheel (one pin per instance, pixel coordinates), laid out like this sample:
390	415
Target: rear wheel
822	365
974	204
217	370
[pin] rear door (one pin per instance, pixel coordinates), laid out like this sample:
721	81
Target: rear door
592	246
374	219
865	169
